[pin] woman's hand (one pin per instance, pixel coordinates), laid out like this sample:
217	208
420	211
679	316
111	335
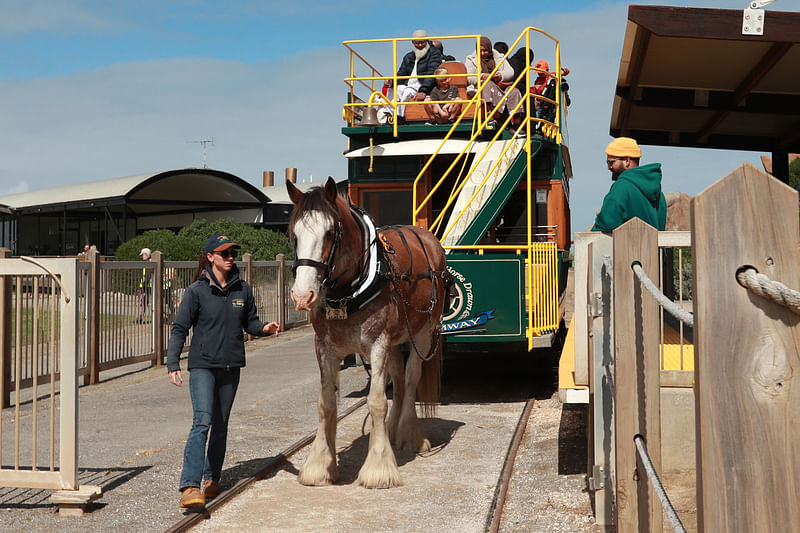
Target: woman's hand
271	328
176	378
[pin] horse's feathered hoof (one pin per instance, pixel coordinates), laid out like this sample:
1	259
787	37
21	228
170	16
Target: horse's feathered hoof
380	470
411	438
316	473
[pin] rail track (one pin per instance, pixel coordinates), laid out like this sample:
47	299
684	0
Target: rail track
492	521
193	518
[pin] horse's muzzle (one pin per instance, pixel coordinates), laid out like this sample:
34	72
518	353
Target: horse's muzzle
305	302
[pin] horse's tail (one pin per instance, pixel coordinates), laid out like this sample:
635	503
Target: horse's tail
430	381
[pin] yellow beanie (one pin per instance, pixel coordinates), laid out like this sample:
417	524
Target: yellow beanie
623	147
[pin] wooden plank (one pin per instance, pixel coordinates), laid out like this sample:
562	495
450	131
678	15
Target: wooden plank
746	348
636	377
701	23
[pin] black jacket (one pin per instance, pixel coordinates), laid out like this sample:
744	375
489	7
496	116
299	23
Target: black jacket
427	66
217	317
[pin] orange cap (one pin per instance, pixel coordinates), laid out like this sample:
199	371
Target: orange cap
624	147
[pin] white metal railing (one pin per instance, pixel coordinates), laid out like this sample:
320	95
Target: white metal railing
55	305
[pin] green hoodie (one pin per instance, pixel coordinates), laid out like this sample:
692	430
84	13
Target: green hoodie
636	193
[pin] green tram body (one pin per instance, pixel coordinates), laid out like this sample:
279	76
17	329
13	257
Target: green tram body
510	271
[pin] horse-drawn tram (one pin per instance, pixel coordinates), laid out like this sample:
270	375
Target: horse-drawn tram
491	181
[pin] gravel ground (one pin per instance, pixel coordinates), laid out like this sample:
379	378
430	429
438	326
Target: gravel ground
133	429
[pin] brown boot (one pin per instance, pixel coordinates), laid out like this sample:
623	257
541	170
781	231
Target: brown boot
192	497
211	489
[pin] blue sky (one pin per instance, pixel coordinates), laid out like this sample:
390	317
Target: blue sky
91	89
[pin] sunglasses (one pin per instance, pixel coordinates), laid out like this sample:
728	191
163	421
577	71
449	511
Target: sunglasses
610	162
229	252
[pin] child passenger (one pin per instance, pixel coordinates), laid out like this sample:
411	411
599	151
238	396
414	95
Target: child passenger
443	113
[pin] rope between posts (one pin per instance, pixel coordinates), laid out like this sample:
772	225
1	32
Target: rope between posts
670	306
641	447
749	278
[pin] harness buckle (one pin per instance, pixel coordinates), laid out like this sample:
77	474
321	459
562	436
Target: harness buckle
333	313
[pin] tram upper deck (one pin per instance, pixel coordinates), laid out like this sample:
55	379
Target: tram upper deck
471	182
493	186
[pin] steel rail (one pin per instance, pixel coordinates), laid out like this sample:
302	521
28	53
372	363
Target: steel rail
499	500
193	518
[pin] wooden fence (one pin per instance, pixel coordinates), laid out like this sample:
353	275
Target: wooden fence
125	311
745	358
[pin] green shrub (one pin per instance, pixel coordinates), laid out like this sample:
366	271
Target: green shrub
187	245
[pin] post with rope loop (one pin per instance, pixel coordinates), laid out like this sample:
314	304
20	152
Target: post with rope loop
637	388
747	393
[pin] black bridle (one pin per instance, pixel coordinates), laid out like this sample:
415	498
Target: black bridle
327	267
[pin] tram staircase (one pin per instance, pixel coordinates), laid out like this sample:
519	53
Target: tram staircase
482	197
479	193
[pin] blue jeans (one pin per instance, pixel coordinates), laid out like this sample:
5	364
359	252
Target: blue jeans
212	391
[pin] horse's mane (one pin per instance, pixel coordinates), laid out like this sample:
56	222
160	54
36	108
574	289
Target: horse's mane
313	200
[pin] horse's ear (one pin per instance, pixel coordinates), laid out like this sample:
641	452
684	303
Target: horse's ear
330	190
294	193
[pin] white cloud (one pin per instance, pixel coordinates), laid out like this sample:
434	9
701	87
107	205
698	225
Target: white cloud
27	16
137	117
14	188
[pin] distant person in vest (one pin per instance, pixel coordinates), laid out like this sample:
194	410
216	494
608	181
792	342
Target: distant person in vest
636	191
217	306
422	60
143	290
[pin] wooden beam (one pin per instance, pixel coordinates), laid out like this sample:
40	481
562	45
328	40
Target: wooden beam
640	44
637	395
753	78
779	26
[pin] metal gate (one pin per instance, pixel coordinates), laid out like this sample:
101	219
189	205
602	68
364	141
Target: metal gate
39	331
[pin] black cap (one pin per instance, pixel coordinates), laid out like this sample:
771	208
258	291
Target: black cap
219	242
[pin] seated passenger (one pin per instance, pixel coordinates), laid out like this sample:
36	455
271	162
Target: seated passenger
501	47
545	85
492	94
443	113
423	60
439	46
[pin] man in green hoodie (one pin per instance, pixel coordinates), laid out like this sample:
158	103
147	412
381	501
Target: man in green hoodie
636	191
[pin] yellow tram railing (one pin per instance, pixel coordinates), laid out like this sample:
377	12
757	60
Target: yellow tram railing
541	258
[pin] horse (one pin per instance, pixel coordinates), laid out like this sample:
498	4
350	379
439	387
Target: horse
367	291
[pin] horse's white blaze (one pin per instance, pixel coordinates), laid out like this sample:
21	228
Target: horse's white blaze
310	234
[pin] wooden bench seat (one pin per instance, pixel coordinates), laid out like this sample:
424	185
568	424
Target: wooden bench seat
416	112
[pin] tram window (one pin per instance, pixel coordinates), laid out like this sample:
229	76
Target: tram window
544	164
388	207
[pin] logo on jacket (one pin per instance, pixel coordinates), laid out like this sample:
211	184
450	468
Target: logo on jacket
238	303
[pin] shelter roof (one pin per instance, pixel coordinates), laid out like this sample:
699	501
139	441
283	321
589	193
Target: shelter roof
689	77
171	190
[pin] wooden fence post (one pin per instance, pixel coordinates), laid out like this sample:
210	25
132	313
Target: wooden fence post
5	335
636	376
93	301
747	370
158	308
281	291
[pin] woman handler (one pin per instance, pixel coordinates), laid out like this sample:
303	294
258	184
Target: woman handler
218	306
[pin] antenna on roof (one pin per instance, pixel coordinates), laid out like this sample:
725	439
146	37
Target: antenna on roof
204	142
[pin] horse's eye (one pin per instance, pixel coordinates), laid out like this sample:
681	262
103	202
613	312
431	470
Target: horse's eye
330	233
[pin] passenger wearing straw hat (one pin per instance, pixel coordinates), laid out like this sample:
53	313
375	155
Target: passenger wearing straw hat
636	191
